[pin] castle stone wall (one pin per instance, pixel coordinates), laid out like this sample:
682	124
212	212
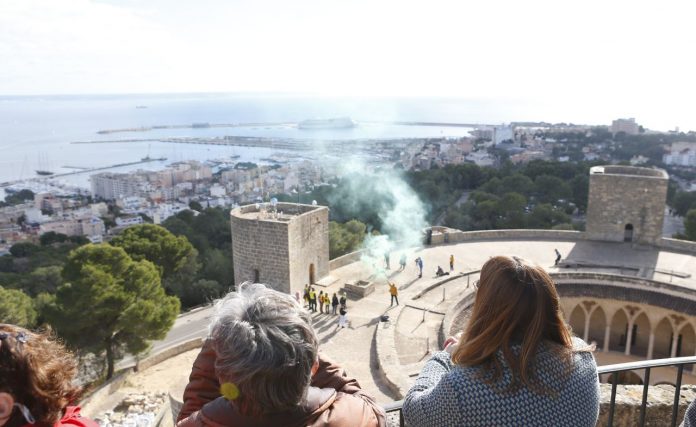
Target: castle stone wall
308	245
623	195
280	245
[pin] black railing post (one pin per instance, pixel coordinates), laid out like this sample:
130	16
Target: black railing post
677	393
643	404
614	381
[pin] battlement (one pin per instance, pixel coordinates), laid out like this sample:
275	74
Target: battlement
282	212
629	171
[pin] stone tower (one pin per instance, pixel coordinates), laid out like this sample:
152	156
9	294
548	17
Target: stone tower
626	204
285	247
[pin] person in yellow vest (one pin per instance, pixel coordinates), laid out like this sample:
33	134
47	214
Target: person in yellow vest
451	262
394	294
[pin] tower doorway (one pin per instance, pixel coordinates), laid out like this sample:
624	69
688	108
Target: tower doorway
628	233
311	274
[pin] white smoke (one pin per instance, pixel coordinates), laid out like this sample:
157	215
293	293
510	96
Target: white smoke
399	208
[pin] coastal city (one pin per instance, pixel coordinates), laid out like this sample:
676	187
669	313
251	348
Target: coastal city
323	213
155	195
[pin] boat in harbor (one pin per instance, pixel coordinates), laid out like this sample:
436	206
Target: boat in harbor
333	123
153	159
44	172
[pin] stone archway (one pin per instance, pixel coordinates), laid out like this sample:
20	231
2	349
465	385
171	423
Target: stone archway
626	377
312	274
641	335
577	321
687	346
598	325
619	331
663	339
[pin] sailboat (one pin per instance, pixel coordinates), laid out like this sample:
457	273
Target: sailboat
150	159
43	171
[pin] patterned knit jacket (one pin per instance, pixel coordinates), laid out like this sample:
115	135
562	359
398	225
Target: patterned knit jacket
450	395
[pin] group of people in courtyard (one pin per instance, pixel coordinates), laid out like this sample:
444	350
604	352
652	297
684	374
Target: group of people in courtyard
516	363
338	304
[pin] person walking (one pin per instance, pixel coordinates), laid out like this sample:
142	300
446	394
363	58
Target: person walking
334	303
343	318
394	294
321	302
558	257
451	262
402	262
419	264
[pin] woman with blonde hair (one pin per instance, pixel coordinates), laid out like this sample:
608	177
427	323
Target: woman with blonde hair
516	364
36	381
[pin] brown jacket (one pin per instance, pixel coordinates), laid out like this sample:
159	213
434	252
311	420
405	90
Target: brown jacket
333	400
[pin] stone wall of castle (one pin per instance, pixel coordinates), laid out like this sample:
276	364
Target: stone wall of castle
280	248
308	248
622	198
260	246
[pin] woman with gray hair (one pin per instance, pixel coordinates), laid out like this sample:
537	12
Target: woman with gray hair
260	366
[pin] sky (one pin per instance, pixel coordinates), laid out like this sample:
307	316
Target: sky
571	59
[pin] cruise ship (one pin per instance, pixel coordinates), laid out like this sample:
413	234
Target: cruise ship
334	123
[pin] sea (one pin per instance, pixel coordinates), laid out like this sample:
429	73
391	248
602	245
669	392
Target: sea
38	132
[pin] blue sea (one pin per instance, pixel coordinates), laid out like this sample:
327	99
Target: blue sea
37	132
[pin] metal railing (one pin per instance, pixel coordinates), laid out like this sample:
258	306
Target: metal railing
394	409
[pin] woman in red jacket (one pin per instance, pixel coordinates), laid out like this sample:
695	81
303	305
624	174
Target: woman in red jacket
36	381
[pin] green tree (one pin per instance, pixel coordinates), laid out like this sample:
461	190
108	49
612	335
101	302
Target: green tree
551	189
690	224
42	279
24	249
157	245
111	303
345	238
52	237
17	308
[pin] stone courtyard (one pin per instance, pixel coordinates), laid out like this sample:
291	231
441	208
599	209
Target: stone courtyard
387	356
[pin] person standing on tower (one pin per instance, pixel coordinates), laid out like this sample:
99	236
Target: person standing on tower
558	257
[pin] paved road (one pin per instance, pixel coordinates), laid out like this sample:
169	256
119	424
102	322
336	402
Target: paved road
186	327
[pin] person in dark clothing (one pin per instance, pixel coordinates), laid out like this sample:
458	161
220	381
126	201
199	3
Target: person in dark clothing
440	272
558	257
334	303
343	301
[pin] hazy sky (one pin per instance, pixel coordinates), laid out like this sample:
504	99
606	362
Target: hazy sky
583	60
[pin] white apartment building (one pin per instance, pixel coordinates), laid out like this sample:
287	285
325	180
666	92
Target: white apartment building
628	126
681	153
111	186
